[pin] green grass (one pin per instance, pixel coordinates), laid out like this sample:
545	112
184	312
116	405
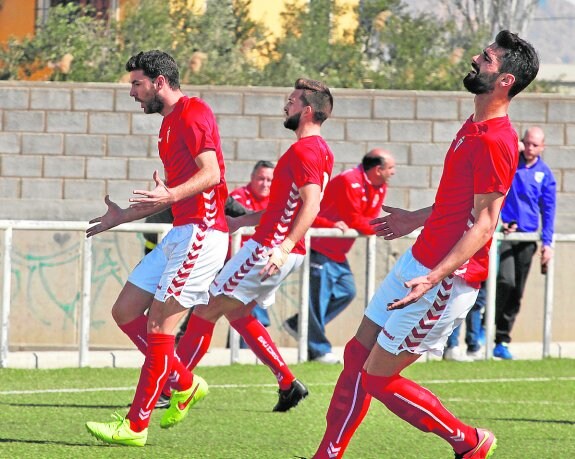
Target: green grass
530	405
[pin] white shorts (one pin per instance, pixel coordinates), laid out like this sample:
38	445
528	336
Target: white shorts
425	325
183	265
240	277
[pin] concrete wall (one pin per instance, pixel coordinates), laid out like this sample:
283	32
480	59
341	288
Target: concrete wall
64	146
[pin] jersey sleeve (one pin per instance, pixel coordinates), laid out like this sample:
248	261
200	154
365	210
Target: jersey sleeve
547	204
307	166
199	125
493	167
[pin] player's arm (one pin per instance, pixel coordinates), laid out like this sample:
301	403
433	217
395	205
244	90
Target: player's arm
487	208
207	176
547	204
310	195
115	215
251	219
399	222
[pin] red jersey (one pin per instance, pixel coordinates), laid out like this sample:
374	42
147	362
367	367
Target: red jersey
189	130
309	160
352	198
246	198
481	159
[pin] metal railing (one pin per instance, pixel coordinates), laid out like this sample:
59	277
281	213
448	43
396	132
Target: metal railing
370	266
161	228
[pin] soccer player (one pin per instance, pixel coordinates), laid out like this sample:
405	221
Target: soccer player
253	275
177	273
352	199
434	284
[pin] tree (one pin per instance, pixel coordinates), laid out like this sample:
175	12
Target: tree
311	48
493	15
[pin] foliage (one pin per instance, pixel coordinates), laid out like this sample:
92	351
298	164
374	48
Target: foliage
421	53
217	43
310	48
88	44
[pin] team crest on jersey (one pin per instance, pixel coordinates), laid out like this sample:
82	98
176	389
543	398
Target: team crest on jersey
459	142
539	176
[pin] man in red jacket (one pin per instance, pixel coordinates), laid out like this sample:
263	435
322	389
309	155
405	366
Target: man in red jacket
351	200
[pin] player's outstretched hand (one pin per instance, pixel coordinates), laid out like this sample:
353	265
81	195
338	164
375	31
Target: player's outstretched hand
112	217
398	223
419	287
161	196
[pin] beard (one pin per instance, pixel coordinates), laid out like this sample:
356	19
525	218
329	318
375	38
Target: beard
154	105
479	83
292	122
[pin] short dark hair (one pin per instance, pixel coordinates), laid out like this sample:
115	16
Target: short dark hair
370	161
318	96
155	63
263	163
520	59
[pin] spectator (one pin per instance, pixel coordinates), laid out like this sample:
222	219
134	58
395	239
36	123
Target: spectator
351	200
532	198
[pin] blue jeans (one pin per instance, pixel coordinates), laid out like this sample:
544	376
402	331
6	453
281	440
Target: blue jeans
331	290
473	324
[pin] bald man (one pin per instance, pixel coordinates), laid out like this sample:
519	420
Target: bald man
532	196
351	200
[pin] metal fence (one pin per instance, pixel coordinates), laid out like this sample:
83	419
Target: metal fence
370	268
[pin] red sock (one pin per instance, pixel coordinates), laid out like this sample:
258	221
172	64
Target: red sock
349	403
192	347
153	376
179	378
421	408
259	340
137	331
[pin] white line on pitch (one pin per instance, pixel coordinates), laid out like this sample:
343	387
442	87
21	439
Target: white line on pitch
251	386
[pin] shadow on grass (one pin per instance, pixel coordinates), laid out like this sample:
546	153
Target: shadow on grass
51	442
64	405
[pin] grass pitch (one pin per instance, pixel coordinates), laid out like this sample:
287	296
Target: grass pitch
529	405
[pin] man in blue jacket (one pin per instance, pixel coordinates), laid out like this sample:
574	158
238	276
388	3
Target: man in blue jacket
532	194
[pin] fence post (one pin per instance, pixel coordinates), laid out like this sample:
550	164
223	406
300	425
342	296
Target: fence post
491	291
6	292
548	307
84	322
234	335
303	316
371	248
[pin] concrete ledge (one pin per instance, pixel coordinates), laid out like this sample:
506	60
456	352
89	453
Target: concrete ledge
220	357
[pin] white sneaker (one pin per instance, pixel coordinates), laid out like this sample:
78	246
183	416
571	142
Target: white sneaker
454	354
479	354
329	358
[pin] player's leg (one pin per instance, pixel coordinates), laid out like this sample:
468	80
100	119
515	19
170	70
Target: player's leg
132	430
350	401
129	313
137	295
260	342
402	341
